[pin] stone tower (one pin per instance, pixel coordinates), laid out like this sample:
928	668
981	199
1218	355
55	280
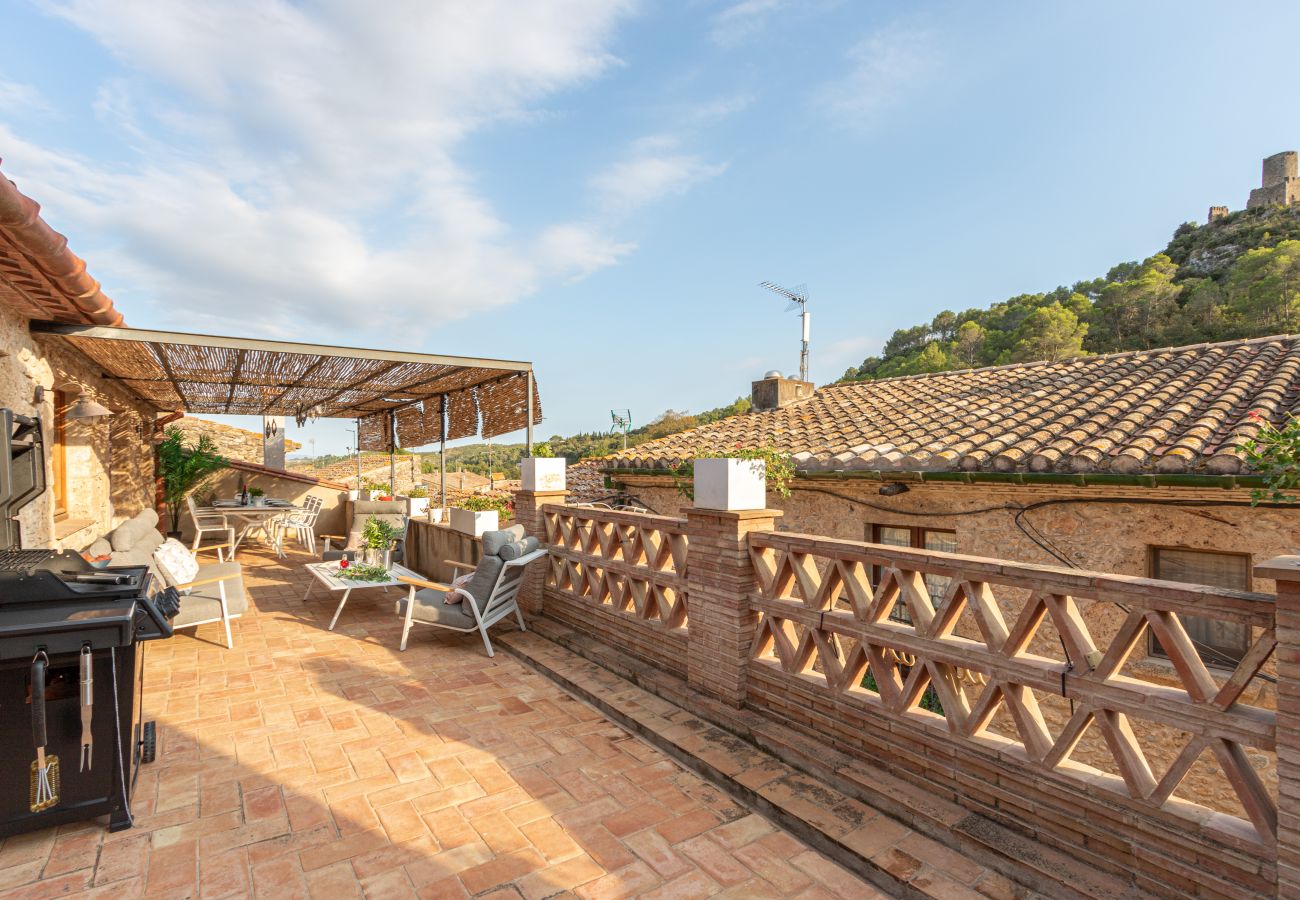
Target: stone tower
1216	213
1280	185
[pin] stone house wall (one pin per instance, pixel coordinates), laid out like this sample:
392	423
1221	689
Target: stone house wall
109	460
231	442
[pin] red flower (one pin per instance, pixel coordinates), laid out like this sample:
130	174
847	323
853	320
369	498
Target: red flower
1255	414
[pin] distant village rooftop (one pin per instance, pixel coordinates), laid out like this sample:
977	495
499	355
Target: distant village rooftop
1175	410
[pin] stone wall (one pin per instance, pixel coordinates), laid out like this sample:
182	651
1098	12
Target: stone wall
231	442
109	460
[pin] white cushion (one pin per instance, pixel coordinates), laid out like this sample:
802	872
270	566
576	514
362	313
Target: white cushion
176	561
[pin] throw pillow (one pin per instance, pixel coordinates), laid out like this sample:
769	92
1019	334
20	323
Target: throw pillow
176	560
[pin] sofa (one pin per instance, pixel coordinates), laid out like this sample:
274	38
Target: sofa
132	543
391	511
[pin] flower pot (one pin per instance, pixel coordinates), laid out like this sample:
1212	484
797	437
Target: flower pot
373	556
542	473
415	506
467	521
434	514
730	484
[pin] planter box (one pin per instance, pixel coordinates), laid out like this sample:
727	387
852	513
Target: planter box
434	514
415	506
730	484
542	473
475	523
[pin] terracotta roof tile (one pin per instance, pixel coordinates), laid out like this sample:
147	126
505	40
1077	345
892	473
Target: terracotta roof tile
39	276
1181	409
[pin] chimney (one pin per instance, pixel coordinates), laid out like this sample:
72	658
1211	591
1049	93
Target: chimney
776	391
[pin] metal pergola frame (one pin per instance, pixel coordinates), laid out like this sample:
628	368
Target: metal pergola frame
427	372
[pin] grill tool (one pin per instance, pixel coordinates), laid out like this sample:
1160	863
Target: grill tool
45	769
87	684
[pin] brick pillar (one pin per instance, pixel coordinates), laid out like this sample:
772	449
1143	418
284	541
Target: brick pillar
528	513
719	578
1285	570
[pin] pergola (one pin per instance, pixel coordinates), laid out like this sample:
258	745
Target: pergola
398	399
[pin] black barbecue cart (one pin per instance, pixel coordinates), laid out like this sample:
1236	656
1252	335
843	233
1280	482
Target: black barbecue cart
72	733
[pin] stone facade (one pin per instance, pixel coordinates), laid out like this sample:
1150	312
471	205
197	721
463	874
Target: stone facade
109	460
231	442
1280	185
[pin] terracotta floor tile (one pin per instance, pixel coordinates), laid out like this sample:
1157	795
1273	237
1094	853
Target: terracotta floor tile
305	762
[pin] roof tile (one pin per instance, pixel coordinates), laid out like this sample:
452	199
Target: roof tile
1181	409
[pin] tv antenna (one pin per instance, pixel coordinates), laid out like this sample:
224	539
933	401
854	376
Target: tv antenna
798	298
622	419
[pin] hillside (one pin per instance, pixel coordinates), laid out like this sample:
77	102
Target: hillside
505	458
1236	277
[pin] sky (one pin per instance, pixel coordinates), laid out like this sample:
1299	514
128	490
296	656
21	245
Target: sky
599	186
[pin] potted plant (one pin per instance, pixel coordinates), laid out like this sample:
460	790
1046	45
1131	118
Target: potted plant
417	501
378	538
736	479
543	471
258	496
182	468
479	513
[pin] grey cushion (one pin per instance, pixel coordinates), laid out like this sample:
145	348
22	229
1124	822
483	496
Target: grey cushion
485	578
203	603
359	524
493	541
134	530
518	548
431	610
101	547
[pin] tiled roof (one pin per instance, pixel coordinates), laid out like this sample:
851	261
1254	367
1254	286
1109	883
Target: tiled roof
39	276
1183	409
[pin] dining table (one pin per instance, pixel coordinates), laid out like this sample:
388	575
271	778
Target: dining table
255	517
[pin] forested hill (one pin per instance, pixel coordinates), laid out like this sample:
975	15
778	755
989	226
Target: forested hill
1238	277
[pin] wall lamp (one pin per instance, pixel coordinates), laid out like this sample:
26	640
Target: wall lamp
86	408
893	489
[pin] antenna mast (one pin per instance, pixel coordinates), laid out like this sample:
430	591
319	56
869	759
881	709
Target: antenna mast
797	297
622	419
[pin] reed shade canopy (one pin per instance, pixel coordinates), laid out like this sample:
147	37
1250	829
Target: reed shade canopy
399	399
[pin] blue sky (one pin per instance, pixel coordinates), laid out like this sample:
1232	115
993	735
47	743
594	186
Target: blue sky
599	186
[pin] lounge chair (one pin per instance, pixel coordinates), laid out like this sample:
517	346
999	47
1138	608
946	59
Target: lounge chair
493	590
209	593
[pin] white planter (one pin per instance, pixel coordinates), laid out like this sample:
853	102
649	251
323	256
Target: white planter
730	484
435	514
542	473
415	506
470	522
352	495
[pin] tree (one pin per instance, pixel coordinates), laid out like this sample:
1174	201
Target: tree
1051	333
1265	285
970	340
183	468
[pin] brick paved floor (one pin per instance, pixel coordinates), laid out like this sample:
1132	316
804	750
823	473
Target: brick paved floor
311	763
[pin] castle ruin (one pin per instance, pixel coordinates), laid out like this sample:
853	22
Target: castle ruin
1280	186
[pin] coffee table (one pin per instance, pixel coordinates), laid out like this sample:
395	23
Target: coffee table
329	574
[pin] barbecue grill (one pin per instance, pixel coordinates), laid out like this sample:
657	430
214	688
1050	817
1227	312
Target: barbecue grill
71	664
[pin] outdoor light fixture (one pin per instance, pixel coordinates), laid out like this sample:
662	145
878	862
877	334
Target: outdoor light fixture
85	408
271	430
893	489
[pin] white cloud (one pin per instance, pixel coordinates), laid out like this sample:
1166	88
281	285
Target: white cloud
299	166
654	168
16	96
883	68
743	20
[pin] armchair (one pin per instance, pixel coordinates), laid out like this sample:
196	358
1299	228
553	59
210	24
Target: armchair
209	593
493	591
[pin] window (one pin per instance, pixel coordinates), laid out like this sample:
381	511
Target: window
58	456
1219	643
921	539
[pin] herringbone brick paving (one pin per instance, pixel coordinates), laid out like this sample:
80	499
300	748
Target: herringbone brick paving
311	763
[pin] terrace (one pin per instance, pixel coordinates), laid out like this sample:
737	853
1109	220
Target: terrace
309	762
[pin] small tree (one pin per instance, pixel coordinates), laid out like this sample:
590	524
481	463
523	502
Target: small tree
183	468
1275	453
